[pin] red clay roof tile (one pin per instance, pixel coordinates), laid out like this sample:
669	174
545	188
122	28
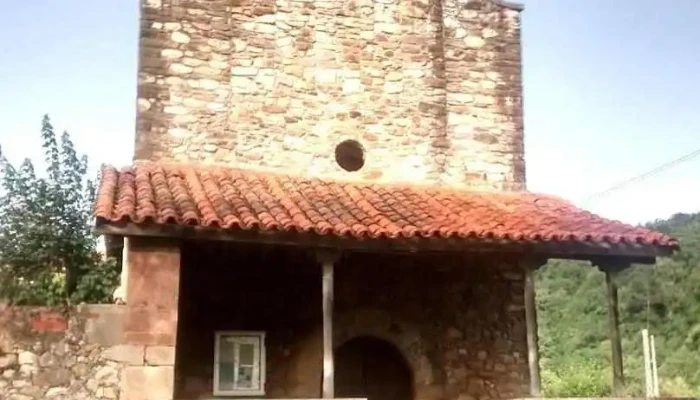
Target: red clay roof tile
226	198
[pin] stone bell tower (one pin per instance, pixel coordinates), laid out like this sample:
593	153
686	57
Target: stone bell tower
419	91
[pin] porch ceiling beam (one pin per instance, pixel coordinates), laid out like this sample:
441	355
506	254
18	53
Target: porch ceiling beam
630	253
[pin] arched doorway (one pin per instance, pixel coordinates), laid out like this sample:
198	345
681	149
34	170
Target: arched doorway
371	368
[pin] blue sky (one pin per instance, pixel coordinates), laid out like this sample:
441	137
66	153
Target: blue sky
611	91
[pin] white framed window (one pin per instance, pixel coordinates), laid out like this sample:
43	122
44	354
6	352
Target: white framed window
239	364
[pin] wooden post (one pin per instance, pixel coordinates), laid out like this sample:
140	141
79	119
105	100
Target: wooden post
327	260
533	356
533	353
615	341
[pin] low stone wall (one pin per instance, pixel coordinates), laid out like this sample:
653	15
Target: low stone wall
80	354
58	354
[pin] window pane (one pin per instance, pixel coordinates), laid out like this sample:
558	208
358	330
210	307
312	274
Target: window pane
226	378
226	349
246	354
245	378
239	362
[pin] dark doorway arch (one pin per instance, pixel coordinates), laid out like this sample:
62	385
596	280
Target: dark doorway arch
372	368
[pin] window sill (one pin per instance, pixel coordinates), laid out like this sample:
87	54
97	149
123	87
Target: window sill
262	396
242	395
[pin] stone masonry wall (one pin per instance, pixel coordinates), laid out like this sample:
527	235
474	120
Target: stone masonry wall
458	322
431	89
51	354
78	354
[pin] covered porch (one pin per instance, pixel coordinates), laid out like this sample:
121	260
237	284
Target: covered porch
332	279
369	325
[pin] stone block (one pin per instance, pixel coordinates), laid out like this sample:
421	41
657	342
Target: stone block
56	391
208	84
393	87
8	360
160	355
110	393
125	354
147	383
80	369
244	71
474	42
107	374
180	37
172	26
34	391
180	69
18	396
48	360
171	53
18	384
27	358
27	370
52	377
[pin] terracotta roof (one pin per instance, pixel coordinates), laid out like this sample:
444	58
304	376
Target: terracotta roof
231	199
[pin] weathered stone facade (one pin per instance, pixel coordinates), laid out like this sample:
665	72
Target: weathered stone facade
431	89
458	321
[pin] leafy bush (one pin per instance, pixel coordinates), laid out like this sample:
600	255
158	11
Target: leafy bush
48	254
573	321
582	379
97	283
677	387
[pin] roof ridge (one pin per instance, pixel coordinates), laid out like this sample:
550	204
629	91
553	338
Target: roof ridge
330	179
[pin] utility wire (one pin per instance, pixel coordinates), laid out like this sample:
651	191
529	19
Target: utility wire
645	175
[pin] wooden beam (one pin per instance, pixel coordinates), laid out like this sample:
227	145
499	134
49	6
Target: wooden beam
614	326
533	355
630	252
327	260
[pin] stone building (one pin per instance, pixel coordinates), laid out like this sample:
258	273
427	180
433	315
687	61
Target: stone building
328	200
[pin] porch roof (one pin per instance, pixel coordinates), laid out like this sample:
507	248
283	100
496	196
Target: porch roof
170	199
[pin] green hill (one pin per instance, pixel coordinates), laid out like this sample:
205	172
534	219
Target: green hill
573	330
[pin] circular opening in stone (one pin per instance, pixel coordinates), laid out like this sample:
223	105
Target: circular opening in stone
350	155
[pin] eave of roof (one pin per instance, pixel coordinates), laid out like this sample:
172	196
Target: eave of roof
192	201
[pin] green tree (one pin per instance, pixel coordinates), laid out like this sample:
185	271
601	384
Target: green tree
47	251
573	321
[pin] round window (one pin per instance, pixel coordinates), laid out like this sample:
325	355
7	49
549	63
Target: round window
350	155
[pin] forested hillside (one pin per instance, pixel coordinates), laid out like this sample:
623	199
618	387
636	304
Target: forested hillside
573	327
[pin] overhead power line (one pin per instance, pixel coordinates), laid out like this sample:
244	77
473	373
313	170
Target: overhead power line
645	175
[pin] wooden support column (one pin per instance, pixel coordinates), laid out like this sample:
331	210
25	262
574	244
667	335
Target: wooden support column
327	261
615	341
611	270
533	354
